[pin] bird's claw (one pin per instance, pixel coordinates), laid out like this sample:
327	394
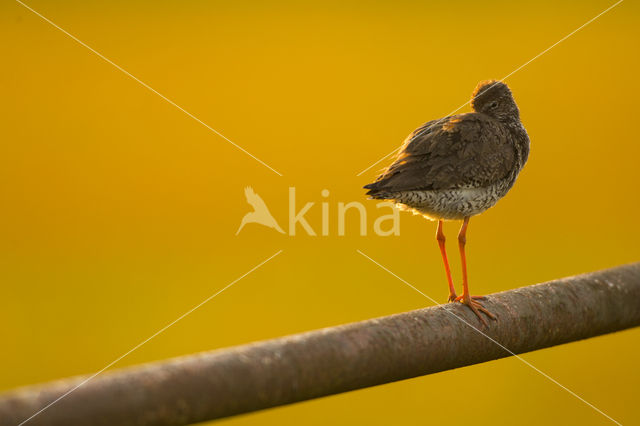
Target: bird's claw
476	307
462	296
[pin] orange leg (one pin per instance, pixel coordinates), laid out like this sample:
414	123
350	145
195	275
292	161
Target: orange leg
441	239
465	297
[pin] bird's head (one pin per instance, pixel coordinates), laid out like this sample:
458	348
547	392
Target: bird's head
494	98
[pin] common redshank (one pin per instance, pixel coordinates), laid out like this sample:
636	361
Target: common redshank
457	167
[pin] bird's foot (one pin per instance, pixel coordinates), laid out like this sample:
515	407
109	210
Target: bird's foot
476	307
452	297
462	296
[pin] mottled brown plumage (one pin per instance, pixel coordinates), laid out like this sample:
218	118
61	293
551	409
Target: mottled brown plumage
477	150
459	166
467	150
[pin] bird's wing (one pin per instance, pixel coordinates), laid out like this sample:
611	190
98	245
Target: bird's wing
466	150
254	199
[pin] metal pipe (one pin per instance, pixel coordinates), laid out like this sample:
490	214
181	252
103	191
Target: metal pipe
251	377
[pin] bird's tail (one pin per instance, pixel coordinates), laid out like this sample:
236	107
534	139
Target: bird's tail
241	225
376	192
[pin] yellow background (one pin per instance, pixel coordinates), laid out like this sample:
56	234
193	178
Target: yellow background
118	212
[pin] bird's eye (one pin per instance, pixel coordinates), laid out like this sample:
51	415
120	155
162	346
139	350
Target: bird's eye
493	104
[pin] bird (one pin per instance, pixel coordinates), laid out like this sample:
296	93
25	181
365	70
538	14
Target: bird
456	167
260	213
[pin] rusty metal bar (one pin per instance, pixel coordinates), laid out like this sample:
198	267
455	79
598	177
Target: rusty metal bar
266	374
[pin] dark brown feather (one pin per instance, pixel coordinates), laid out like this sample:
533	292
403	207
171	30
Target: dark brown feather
466	150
